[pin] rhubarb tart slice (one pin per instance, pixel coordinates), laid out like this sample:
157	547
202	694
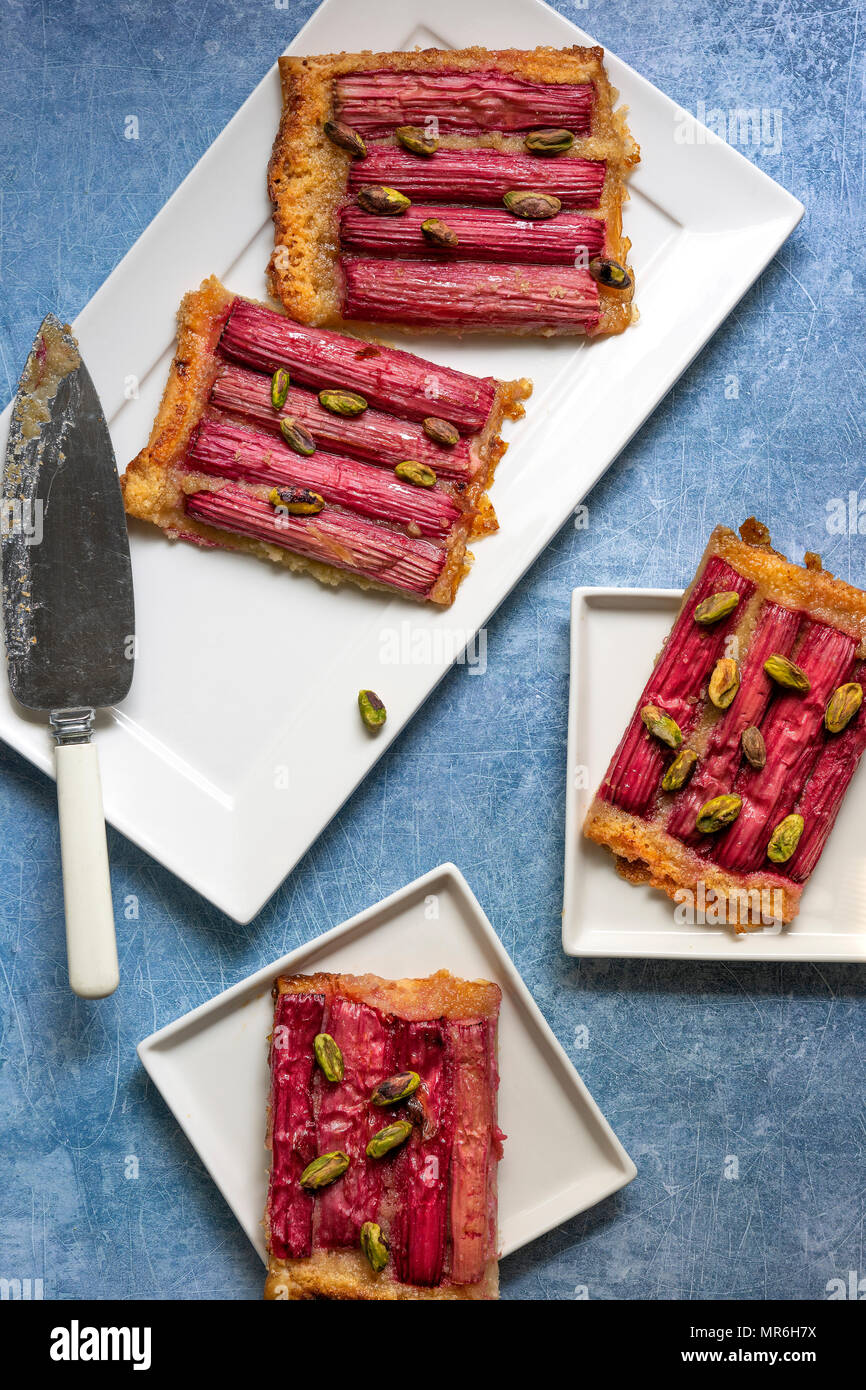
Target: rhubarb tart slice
383	1138
320	451
472	190
727	781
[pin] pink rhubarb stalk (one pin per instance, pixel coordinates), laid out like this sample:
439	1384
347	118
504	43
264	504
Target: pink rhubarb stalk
346	1120
374	103
792	734
333	538
479	176
462	295
775	632
227	451
393	380
297	1020
473	1154
373	437
825	790
483	234
691	651
420	1222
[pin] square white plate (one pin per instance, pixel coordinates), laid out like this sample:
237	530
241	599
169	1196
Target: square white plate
211	1065
605	916
240	739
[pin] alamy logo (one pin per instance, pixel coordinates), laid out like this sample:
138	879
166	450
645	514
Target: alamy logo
19	518
760	126
21	1289
748	907
77	1343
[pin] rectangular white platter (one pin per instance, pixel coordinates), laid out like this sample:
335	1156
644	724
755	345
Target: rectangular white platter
211	1065
240	739
603	915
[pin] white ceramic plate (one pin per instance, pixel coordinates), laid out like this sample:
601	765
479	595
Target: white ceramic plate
211	1065
605	916
241	739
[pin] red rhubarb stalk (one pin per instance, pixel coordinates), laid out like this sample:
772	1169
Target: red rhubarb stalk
775	631
227	451
691	651
462	295
333	538
293	1139
473	1154
374	103
483	234
792	735
393	380
346	1120
420	1182
373	437
479	176
825	790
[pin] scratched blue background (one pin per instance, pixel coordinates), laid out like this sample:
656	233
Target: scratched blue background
690	1062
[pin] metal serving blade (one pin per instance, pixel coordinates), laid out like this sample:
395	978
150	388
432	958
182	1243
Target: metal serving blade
67	582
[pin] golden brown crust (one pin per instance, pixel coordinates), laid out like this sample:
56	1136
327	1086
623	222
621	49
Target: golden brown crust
442	995
154	485
646	853
307	174
346	1274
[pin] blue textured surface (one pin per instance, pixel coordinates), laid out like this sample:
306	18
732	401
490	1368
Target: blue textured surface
691	1063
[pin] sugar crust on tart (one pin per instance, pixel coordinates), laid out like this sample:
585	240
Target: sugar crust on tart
158	482
308	175
788	607
342	1271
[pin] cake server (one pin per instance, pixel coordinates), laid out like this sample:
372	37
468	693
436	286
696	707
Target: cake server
68	616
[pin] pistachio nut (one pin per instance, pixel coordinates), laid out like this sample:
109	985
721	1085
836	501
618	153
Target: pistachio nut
441	431
416	473
718	812
395	1088
416	140
384	201
296	501
549	141
724	682
373	712
843	705
391	1137
787	673
279	388
345	138
329	1057
680	770
754	748
609	273
785	839
418	1111
535	207
438	233
713	609
347	403
661	726
297	437
374	1246
324	1170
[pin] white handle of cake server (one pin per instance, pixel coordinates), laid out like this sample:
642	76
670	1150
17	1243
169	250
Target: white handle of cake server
91	945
